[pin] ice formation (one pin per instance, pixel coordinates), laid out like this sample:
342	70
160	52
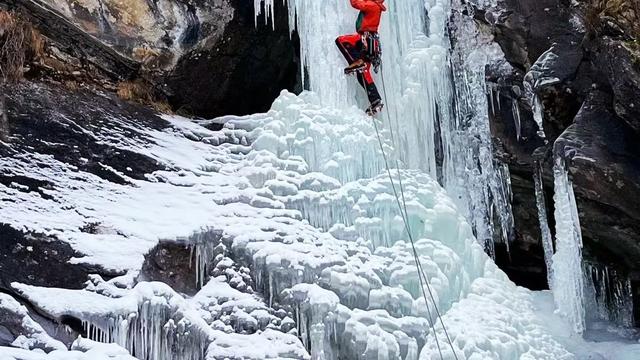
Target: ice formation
330	253
545	231
416	84
608	296
568	278
588	295
540	76
538	115
470	172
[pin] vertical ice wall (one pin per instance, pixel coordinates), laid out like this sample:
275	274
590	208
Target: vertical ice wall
568	279
318	24
481	184
427	134
415	71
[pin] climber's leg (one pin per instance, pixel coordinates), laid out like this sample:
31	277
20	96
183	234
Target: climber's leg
366	80
351	48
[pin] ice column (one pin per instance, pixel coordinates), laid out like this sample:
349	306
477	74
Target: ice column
470	172
568	279
547	239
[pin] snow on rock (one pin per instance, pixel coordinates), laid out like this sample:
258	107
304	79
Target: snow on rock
27	332
87	351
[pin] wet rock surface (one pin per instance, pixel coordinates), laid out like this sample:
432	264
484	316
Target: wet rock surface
38	260
173	264
620	63
65	124
604	159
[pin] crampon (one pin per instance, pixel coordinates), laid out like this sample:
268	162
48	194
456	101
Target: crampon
375	108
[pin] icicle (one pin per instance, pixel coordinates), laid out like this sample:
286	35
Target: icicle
412	351
608	295
547	239
538	115
146	332
317	335
268	13
515	109
492	98
469	169
568	278
502	200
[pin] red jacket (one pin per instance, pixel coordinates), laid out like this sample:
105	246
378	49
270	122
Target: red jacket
370	14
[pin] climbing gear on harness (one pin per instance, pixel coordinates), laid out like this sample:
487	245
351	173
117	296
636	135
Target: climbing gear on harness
351	47
372	50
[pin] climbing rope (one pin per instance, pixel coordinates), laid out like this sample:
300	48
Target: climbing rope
402	206
408	229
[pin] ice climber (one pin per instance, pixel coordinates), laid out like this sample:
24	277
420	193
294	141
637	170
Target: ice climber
362	49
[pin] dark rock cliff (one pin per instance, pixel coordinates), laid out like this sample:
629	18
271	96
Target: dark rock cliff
581	60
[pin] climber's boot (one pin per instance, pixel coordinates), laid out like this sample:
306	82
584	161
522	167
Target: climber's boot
356	66
375	107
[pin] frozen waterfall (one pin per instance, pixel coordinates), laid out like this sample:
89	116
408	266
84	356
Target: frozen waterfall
328	260
416	80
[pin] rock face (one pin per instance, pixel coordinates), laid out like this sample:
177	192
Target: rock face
581	63
156	33
207	58
604	159
240	74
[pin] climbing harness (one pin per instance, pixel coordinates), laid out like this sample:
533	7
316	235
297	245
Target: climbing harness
402	206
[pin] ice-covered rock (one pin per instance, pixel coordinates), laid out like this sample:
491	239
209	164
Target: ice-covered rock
22	329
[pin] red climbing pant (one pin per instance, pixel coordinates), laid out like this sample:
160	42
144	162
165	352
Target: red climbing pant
353	49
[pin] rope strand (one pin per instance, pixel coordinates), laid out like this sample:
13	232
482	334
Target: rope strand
405	217
408	229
